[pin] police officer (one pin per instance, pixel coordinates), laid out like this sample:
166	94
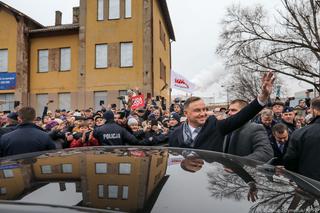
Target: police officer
288	116
27	137
12	123
113	134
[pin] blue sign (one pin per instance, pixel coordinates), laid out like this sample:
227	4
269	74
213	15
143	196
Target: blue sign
12	166
7	81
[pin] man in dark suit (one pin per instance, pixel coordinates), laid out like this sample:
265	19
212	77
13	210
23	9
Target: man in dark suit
203	132
250	140
302	155
279	142
27	137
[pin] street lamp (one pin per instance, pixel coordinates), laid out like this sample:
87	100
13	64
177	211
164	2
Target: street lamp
228	89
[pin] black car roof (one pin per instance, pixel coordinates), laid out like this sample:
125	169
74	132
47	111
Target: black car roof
150	179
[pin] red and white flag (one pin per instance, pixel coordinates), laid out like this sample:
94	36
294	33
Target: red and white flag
137	102
181	83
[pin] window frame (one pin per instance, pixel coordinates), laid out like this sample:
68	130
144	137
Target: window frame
8	176
95	56
128	66
70	68
59	102
125	9
122	195
109	192
63	172
100	173
103	10
38	71
103	191
44	173
3	189
163	71
7	65
110	19
122	173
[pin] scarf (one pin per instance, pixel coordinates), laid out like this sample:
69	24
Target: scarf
187	135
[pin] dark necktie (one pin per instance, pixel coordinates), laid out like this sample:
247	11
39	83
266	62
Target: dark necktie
281	146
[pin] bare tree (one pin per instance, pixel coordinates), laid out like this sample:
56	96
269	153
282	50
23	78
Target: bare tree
246	85
290	45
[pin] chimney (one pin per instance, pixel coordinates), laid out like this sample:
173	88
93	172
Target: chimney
58	18
76	14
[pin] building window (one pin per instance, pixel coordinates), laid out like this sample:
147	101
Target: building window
100	191
65	59
128	8
8	173
126	54
4	60
101	56
42	100
113	191
3	191
46	169
114	9
162	71
125	192
43	60
100	98
101	168
66	168
8	100
162	35
100	15
124	168
65	101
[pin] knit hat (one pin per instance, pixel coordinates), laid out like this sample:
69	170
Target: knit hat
50	125
132	121
175	116
13	116
287	109
108	115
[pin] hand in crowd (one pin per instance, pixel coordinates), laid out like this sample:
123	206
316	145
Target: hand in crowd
266	86
69	136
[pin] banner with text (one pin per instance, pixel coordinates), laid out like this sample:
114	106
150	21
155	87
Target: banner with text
7	81
181	83
137	102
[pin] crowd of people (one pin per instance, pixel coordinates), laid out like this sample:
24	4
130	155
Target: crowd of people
260	130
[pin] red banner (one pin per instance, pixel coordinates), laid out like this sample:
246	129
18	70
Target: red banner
137	102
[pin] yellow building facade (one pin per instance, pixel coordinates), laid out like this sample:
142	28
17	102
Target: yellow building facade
111	46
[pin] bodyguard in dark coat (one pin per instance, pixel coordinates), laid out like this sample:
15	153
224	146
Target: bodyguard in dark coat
27	137
251	140
113	134
302	155
203	132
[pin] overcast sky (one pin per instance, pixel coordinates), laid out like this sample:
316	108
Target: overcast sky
197	27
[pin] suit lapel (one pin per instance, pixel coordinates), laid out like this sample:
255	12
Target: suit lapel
180	138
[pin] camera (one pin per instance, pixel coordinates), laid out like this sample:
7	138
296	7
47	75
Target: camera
16	104
309	90
291	98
